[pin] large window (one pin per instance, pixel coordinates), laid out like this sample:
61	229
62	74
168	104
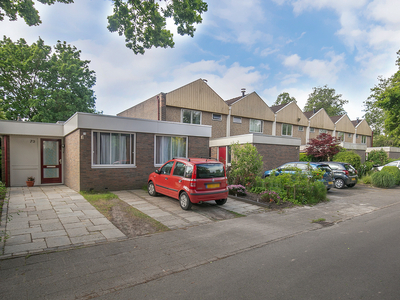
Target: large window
191	116
340	136
287	129
113	149
168	147
323	131
363	139
255	125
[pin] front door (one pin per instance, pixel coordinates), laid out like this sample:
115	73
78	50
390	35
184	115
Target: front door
222	154
51	161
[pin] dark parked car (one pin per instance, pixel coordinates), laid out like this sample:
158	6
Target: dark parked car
305	167
191	180
343	173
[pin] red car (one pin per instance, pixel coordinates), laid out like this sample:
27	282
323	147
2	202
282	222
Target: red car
191	180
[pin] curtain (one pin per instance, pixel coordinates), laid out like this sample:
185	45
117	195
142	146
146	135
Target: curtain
168	147
104	148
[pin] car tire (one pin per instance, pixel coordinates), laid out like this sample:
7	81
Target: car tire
151	189
184	201
351	185
339	183
221	202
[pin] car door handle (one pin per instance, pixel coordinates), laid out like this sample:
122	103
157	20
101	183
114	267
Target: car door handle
166	178
180	180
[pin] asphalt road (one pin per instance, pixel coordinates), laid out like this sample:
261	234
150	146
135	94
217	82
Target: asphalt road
356	259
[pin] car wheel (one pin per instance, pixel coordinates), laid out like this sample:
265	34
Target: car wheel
221	202
339	183
151	189
351	185
184	201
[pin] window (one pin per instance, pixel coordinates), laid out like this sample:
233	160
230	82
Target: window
168	147
255	125
237	120
229	154
113	149
217	117
287	129
363	139
301	128
323	131
341	136
191	116
312	129
349	135
166	169
179	169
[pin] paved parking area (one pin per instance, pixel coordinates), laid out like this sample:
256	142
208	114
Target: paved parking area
47	218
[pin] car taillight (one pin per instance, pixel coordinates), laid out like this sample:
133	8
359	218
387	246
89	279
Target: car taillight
346	172
192	184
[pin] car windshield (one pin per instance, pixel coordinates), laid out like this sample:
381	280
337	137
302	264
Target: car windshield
210	170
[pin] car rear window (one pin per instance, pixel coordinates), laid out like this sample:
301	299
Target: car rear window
325	168
210	170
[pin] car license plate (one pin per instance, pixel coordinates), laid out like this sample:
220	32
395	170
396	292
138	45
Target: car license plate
330	182
212	186
353	179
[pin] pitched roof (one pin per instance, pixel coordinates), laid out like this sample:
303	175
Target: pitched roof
336	118
233	100
277	107
310	113
356	122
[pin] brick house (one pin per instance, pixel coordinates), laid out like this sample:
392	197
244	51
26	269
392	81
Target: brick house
95	152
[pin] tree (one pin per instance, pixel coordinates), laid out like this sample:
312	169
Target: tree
374	115
324	97
43	87
25	9
323	147
284	98
142	22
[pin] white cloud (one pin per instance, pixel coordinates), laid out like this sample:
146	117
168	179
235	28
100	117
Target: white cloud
386	11
268	51
323	71
339	5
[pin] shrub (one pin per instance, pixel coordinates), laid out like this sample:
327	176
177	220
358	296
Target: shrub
270	196
349	157
394	171
246	164
365	168
367	179
237	190
305	157
378	157
383	179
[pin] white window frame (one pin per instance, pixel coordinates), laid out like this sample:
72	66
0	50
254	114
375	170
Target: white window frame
341	136
291	129
216	117
349	135
191	115
237	120
363	139
132	144
323	131
171	136
312	129
261	126
301	128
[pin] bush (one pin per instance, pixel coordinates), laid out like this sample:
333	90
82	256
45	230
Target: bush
378	157
305	157
237	190
349	157
367	179
394	171
365	168
383	179
246	164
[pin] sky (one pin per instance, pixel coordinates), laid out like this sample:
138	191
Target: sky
264	46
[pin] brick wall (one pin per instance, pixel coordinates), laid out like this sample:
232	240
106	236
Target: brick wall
72	160
214	152
198	147
276	155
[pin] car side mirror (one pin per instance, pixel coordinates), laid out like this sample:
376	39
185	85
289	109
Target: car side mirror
157	171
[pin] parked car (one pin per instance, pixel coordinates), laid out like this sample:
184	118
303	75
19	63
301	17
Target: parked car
395	163
305	167
343	173
191	180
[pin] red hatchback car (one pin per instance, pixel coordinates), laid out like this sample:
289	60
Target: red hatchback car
191	180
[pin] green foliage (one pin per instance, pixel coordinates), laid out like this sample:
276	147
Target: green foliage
246	164
297	188
284	98
305	157
143	23
237	190
383	179
44	87
394	171
383	141
349	157
378	157
3	190
326	98
365	168
367	179
25	9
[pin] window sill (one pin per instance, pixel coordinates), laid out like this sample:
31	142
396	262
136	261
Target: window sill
113	166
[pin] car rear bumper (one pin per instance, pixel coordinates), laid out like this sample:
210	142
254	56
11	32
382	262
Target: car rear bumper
201	196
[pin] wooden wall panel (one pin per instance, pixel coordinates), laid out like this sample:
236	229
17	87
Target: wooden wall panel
253	107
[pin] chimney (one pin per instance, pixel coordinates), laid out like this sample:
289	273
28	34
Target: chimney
313	110
243	92
358	120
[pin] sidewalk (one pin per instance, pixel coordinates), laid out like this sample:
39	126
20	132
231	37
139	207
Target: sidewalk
89	272
50	218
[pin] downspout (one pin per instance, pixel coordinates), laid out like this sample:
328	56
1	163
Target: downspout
158	107
228	123
308	132
274	126
355	136
5	157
